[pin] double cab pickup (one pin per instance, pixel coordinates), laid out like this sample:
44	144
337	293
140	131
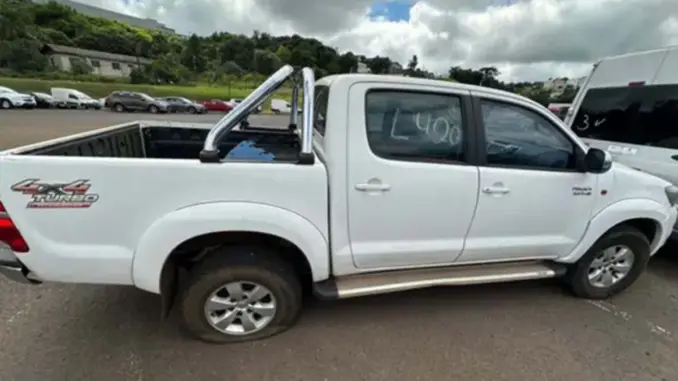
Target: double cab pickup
386	184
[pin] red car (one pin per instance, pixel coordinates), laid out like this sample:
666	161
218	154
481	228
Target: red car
216	105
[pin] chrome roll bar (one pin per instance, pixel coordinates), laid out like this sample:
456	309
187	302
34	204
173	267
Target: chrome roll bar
295	107
210	150
307	131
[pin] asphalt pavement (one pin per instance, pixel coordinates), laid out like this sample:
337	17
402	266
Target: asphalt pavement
529	331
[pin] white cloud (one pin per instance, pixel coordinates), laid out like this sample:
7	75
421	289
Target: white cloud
525	39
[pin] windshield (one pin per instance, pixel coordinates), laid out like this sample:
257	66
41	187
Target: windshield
185	100
6	90
81	95
44	95
146	96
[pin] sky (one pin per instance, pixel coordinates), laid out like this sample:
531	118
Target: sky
527	40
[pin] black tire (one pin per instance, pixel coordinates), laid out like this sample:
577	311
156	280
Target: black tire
153	109
277	112
118	107
5	104
244	264
192	110
577	277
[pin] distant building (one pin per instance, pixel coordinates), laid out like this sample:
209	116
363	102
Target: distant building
363	68
558	85
110	15
104	64
394	69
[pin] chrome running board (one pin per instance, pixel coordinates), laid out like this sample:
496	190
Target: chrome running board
402	280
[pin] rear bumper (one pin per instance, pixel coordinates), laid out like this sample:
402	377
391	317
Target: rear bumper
12	269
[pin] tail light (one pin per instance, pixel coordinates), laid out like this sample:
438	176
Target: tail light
9	234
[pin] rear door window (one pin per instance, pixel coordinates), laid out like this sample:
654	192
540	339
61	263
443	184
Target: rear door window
643	115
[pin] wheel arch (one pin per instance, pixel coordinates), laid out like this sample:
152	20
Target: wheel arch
207	224
643	214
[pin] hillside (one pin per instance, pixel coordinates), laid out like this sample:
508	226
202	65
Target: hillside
25	25
220	59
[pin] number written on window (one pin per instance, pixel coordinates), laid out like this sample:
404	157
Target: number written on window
415	126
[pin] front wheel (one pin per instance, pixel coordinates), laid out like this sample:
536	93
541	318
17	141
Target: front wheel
611	265
153	109
240	294
5	104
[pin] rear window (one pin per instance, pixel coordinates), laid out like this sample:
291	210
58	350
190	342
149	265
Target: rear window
322	95
644	115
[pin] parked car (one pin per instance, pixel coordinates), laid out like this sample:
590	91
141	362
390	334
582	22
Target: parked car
559	109
43	100
388	186
181	104
122	101
71	98
236	101
629	107
217	105
9	98
282	106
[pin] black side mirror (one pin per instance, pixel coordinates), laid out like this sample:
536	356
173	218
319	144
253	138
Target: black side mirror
597	161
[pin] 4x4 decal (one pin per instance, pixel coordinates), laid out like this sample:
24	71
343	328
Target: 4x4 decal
57	195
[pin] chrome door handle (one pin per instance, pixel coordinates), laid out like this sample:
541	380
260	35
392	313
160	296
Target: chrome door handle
372	187
496	190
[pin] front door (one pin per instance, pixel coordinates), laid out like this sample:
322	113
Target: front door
411	192
533	202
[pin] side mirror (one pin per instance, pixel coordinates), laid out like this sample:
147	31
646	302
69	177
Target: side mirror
597	161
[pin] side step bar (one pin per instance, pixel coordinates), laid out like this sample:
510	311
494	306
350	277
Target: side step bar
401	280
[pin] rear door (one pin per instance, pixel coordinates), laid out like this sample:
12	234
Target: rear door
412	185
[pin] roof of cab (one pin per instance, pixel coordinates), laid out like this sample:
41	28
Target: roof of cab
398	79
640	52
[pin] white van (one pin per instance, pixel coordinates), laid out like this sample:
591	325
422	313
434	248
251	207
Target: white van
281	106
629	107
71	98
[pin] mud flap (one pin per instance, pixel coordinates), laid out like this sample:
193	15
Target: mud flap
168	288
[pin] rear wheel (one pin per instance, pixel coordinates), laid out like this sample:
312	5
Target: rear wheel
240	294
153	109
192	110
6	104
611	265
119	107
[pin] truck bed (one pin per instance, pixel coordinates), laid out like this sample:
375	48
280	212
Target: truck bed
167	140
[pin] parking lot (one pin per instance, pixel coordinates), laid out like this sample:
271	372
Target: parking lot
521	331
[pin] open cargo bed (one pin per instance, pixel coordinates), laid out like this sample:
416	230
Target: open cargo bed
170	140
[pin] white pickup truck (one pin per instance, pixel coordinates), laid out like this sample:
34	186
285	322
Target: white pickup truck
388	184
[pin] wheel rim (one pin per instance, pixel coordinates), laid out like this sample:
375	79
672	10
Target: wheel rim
240	308
5	104
610	266
118	108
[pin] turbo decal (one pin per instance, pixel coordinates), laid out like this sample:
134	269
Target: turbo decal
57	195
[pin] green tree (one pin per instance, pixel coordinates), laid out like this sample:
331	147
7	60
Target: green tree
266	62
22	55
284	54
